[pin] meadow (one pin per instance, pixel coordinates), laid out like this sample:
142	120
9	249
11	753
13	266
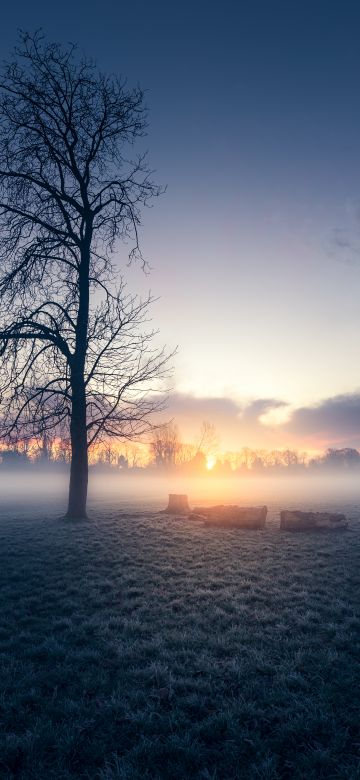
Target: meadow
136	645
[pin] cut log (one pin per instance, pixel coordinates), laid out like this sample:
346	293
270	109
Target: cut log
178	504
231	516
312	521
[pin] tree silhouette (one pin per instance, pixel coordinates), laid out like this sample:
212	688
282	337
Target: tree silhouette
165	446
208	440
72	351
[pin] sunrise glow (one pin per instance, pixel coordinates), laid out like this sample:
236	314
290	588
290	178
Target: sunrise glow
210	462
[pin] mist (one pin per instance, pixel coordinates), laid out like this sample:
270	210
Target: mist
133	492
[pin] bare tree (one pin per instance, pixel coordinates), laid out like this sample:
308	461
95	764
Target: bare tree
73	354
134	454
165	445
208	440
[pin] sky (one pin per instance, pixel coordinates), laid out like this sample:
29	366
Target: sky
254	114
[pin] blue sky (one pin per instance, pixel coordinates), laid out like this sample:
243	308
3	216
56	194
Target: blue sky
255	129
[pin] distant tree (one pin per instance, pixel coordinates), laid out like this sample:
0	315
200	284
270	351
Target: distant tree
73	355
247	458
346	458
14	458
198	463
257	463
208	440
136	455
123	462
44	446
165	445
108	454
273	459
303	459
207	443
62	450
290	458
186	452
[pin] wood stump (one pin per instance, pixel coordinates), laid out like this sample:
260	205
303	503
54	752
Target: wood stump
178	504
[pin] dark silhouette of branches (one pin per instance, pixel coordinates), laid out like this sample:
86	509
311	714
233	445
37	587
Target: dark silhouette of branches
72	349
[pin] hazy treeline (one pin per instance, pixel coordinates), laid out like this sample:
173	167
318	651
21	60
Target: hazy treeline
165	452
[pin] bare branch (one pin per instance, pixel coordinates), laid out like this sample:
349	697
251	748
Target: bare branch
75	349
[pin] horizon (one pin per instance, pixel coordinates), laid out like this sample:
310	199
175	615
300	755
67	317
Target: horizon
166	452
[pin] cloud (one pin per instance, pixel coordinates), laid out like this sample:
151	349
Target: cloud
238	425
255	410
332	422
335	421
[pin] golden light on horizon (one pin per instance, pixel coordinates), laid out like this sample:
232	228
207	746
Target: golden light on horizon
210	462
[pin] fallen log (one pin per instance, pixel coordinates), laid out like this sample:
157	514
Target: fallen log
312	521
231	516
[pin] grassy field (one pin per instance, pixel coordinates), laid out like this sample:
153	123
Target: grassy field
140	646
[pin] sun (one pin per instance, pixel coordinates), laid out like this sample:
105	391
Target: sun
210	462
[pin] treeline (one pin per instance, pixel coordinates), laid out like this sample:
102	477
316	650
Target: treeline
165	452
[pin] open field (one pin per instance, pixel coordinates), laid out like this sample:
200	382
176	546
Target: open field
140	646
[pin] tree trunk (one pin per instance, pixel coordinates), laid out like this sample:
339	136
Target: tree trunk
78	428
79	454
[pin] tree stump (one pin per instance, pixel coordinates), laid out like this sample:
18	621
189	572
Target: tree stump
178	504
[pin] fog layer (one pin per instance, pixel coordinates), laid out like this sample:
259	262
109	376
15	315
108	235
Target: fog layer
121	491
